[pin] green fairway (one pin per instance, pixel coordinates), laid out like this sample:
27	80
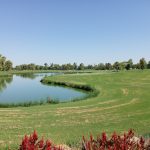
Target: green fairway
123	102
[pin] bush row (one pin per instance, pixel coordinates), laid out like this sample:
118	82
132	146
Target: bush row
127	141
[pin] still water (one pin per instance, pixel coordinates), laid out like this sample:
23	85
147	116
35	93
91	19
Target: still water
27	87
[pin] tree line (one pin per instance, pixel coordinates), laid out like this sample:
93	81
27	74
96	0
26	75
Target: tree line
128	65
5	64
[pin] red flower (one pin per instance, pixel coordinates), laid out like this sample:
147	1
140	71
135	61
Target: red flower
104	137
34	136
41	143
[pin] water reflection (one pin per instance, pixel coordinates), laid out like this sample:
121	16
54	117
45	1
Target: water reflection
35	75
4	81
27	75
20	88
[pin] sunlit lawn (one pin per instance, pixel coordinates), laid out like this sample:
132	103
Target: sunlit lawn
123	103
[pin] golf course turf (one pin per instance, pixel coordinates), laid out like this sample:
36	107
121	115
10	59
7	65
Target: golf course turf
123	102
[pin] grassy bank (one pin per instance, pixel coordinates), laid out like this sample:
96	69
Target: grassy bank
123	103
92	92
29	104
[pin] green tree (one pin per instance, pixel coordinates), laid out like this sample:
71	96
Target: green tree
56	67
81	66
18	67
75	66
2	62
64	67
51	67
5	64
89	67
148	65
100	66
108	66
116	66
129	64
37	67
130	61
45	66
8	65
142	63
69	66
31	66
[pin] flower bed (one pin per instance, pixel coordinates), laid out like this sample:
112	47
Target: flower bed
127	141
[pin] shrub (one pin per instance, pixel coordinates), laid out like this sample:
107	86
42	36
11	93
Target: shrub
126	142
32	143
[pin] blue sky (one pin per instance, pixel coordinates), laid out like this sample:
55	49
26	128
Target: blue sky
63	31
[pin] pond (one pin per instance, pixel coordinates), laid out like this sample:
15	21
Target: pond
22	88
